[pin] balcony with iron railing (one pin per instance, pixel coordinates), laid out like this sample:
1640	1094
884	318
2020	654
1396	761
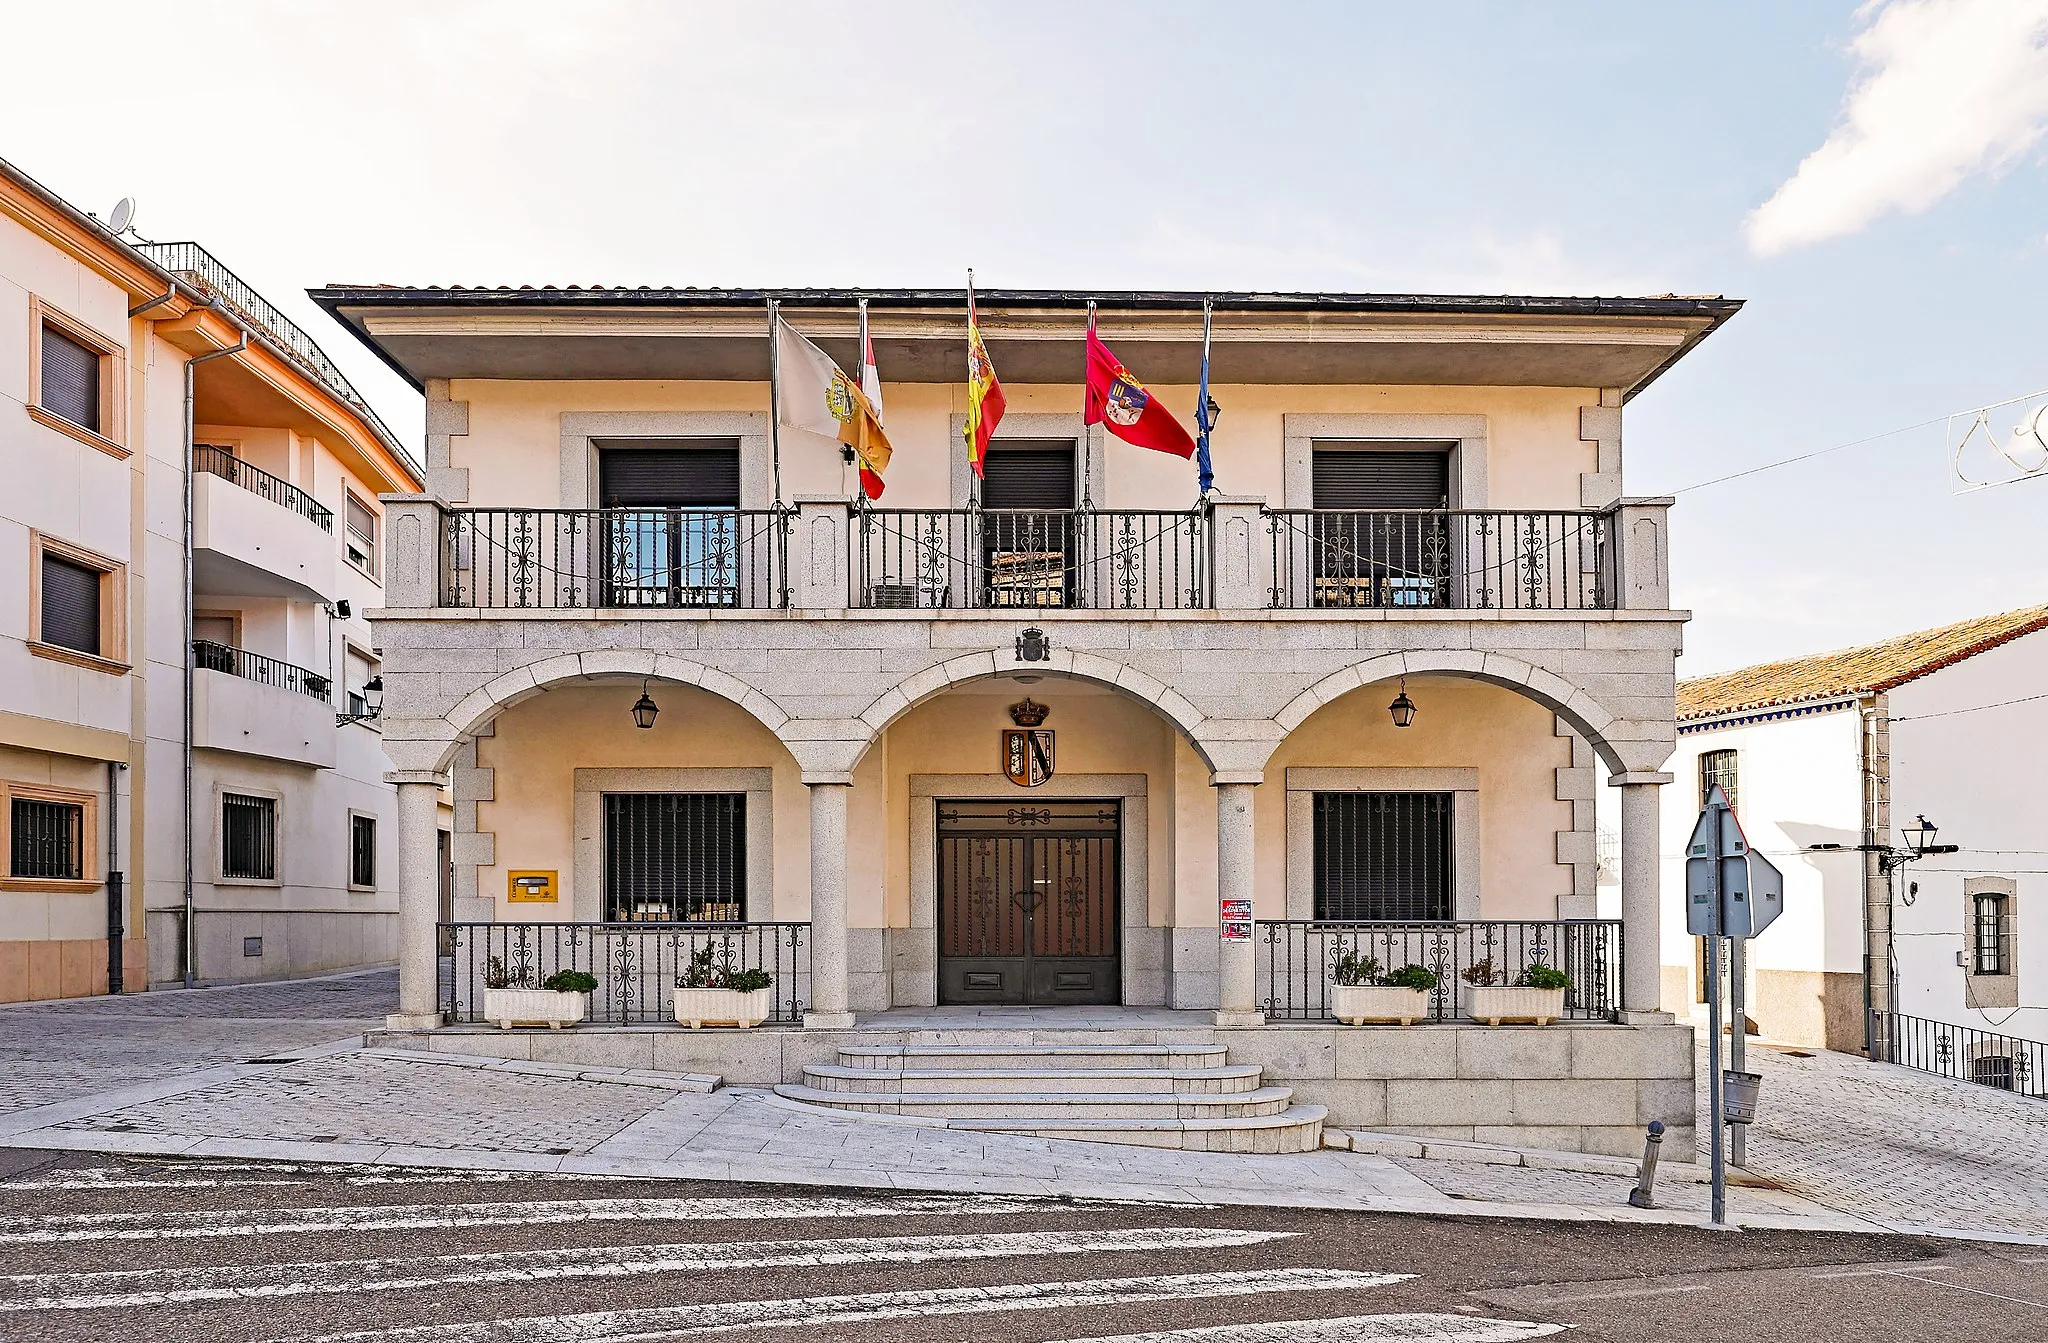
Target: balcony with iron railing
217	461
262	706
1230	556
201	269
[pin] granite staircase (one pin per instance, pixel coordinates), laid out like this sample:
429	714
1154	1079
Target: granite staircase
1153	1095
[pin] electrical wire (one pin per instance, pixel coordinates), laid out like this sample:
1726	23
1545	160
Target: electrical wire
1949	713
1852	443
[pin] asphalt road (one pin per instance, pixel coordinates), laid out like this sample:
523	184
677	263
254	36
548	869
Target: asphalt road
107	1249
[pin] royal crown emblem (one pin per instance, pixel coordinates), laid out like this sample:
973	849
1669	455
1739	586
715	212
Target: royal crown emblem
1028	712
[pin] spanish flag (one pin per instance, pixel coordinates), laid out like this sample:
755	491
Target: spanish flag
984	392
813	395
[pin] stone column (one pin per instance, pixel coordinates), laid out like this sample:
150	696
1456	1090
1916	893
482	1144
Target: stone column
828	904
419	901
1642	873
1237	1000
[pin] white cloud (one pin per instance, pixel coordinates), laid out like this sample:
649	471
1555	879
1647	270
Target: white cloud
1948	89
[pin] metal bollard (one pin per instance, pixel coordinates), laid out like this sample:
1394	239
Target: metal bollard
1639	1197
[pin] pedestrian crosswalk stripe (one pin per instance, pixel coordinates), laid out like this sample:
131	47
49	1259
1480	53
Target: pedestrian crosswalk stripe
644	1326
1410	1328
433	1216
100	1177
166	1286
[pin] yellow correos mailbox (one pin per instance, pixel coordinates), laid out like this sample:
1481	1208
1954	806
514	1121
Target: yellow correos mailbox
530	887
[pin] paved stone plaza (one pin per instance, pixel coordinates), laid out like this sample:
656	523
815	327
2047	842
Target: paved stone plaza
1848	1146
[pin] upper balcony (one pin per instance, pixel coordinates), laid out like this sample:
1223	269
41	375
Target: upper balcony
256	535
1237	556
261	706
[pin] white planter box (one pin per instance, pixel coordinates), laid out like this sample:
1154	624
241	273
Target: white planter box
1356	1004
1494	1005
697	1008
534	1007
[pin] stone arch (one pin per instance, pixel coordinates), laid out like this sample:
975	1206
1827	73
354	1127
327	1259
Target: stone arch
1168	703
486	702
1587	716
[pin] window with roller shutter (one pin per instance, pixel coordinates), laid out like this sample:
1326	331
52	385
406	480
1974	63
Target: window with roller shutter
70	605
1383	856
1027	535
362	536
70	386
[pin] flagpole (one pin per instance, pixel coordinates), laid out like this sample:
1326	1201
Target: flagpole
1205	475
860	364
775	400
1087	434
973	476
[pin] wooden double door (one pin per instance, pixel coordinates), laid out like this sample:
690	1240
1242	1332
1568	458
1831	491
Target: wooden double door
1028	899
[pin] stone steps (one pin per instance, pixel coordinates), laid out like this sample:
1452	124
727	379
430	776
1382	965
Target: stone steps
837	1077
1155	1095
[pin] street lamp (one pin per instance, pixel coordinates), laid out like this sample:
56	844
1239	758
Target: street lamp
1919	844
372	696
644	709
1403	708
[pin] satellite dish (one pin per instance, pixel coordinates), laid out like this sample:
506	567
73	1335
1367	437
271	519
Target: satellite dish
123	217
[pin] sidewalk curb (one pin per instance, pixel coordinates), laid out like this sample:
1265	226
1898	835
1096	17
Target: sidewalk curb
701	1084
1532	1158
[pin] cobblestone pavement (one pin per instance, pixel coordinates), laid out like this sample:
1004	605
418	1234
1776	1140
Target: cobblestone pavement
81	1046
1880	1141
366	1098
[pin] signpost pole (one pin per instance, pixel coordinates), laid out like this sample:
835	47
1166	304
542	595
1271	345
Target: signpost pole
1717	1152
1738	1031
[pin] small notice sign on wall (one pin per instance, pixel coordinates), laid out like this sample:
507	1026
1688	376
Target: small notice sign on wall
530	887
1237	920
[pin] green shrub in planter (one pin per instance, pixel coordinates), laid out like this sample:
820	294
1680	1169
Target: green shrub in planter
1351	968
748	981
1541	976
570	981
1411	976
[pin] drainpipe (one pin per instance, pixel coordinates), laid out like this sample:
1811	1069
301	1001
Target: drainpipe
191	938
116	910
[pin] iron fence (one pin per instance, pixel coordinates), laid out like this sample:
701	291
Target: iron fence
194	264
1460	559
220	462
210	656
1298	954
1027	558
633	558
1987	1058
635	964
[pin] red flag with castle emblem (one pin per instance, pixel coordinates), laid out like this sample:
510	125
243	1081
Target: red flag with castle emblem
1120	401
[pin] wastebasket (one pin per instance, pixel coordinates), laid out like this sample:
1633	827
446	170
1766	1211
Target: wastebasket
1738	1095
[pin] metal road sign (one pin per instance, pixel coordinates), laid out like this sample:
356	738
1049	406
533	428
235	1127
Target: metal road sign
1730	891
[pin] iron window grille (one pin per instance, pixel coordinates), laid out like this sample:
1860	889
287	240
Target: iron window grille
1990	936
46	839
362	850
1717	770
675	857
248	837
1382	856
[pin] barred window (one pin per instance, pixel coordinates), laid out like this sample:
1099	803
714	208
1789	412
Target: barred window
248	827
362	850
46	840
1382	856
1717	770
675	857
1989	940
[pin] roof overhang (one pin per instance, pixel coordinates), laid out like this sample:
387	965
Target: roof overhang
1033	337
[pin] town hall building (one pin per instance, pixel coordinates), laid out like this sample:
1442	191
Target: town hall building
1065	752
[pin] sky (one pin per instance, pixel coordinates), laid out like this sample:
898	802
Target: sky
1868	178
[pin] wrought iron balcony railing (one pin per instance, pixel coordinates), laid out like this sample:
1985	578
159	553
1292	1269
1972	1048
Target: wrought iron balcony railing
1014	558
220	462
635	964
634	558
193	263
1456	558
2008	1062
210	656
1296	957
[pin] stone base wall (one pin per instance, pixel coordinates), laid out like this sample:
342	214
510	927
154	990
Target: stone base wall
1572	1088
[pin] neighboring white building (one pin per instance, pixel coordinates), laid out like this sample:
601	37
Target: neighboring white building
1851	748
154	406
